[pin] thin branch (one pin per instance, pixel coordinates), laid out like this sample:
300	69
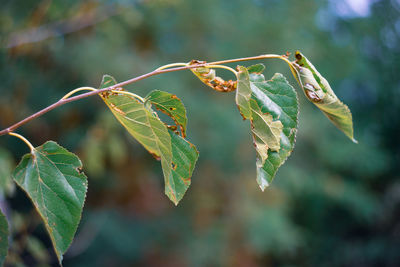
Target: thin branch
133	80
24	140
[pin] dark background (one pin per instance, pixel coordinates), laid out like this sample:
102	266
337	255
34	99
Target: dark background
333	203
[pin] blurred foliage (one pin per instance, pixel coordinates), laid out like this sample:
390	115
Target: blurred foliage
333	203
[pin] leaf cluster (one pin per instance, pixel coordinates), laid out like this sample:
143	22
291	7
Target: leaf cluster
53	177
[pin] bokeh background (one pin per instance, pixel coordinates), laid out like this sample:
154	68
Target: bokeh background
333	203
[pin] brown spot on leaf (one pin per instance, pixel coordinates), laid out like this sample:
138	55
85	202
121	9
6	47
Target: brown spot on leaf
194	61
298	55
221	85
117	109
172	127
176	122
312	96
174	166
105	94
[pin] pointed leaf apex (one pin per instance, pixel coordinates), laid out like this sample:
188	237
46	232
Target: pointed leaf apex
243	93
264	184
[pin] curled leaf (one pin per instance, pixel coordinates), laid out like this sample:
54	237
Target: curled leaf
208	76
319	92
243	92
266	132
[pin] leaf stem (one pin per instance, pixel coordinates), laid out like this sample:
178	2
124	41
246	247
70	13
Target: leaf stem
129	93
163	69
78	90
222	67
172	65
23	139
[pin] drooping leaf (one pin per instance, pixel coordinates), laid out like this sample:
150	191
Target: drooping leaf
319	92
275	109
7	185
184	157
243	92
171	105
144	125
4	232
52	178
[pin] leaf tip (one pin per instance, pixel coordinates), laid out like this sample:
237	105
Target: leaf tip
263	186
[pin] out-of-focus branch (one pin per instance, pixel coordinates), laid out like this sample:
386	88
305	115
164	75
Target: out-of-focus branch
62	27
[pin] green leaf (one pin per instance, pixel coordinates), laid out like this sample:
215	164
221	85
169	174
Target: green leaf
171	105
7	185
275	110
144	125
319	92
256	68
4	232
243	92
184	158
52	178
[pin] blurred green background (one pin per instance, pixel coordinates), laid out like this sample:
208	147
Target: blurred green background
333	203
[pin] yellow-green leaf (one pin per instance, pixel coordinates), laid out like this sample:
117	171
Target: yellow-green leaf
52	178
145	126
319	92
243	92
266	132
